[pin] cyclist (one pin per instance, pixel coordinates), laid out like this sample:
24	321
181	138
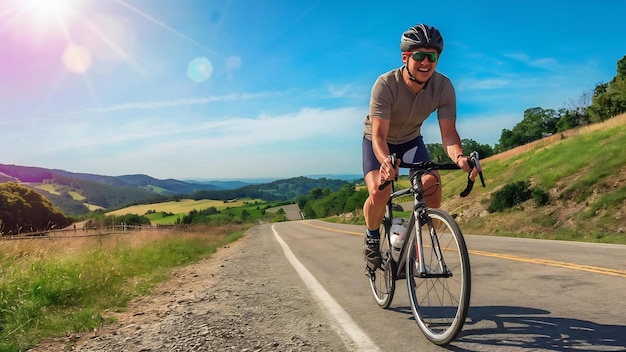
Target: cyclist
400	102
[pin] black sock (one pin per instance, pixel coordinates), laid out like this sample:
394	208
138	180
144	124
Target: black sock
373	233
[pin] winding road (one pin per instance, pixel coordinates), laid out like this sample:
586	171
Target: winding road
526	294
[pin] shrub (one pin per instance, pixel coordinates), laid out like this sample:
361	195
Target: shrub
540	197
510	195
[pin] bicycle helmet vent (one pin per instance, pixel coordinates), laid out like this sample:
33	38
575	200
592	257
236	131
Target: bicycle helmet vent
421	36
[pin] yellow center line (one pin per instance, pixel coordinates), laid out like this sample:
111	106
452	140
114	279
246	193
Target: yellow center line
335	230
580	267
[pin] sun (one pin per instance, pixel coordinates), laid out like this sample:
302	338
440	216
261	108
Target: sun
48	10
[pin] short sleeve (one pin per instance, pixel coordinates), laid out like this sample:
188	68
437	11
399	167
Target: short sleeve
381	99
447	103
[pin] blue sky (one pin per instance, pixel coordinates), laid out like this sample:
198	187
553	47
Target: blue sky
210	89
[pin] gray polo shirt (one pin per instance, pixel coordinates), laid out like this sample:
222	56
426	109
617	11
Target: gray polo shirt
392	100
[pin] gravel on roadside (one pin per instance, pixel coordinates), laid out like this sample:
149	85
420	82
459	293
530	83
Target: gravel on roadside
246	297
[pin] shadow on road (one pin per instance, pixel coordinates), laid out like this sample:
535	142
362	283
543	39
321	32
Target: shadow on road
507	328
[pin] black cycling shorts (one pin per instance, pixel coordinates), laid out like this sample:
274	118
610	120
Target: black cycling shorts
411	151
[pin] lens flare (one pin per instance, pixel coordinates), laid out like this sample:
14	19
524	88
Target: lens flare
45	10
199	69
77	59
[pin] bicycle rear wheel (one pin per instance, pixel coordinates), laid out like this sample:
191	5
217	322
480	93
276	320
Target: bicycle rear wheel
382	280
439	302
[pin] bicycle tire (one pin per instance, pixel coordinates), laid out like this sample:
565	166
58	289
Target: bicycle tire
439	304
382	280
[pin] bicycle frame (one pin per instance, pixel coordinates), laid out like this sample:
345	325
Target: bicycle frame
419	209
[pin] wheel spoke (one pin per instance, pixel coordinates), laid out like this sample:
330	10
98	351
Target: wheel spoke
440	304
382	280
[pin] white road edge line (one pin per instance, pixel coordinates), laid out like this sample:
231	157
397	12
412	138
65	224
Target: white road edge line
346	327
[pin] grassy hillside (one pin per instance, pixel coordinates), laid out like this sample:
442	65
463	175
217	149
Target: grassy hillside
177	208
584	172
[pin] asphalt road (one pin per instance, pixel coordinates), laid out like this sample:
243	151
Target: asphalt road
526	294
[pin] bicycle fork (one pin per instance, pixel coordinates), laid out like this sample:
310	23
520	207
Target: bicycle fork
422	270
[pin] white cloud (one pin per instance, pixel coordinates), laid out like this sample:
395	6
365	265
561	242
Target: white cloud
347	90
547	63
164	146
140	105
468	84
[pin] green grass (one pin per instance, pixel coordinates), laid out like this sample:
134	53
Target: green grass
161	219
593	156
228	212
76	196
45	291
180	207
570	235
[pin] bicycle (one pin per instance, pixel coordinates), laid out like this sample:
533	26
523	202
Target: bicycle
439	288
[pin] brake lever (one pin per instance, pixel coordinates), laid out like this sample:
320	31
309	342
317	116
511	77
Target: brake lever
473	162
468	188
474	158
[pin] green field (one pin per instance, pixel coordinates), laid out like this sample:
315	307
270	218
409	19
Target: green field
59	189
181	207
157	212
52	189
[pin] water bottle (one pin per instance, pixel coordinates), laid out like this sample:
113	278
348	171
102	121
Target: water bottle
398	232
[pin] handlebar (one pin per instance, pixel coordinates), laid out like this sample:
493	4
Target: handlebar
473	161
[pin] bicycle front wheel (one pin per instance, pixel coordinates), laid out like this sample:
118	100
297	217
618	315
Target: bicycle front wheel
440	294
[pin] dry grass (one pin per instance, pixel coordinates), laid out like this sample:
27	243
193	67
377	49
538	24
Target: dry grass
619	120
40	247
53	285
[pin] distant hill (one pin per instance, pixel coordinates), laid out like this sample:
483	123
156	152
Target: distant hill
229	184
76	193
287	189
345	177
29	174
6	178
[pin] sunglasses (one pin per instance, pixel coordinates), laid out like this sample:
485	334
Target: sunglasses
420	55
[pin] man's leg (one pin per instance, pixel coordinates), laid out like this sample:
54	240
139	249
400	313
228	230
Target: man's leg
374	206
374	210
432	189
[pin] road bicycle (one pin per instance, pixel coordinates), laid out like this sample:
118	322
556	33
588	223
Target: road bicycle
432	257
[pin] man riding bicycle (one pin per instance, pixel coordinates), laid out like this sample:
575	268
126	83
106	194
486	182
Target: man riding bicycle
400	102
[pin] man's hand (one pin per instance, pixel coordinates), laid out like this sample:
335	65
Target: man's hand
387	171
464	163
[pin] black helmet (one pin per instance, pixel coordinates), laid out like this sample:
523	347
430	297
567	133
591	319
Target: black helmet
421	36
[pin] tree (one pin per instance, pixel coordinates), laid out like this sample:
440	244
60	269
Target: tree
438	154
575	113
571	119
536	124
24	210
607	105
301	200
316	193
609	99
470	145
508	140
